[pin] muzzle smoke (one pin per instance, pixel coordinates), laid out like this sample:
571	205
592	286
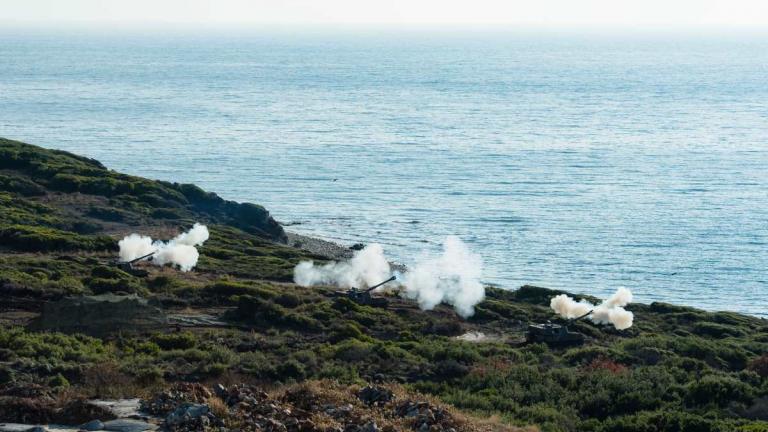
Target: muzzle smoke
610	311
180	251
452	278
366	268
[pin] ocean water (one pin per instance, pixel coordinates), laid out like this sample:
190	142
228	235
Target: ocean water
575	162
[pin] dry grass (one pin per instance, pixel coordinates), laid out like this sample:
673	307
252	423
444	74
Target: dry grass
319	393
106	381
218	407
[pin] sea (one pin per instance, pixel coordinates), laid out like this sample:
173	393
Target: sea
582	162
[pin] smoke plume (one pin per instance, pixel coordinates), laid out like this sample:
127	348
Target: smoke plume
134	246
610	311
195	237
366	268
453	277
180	251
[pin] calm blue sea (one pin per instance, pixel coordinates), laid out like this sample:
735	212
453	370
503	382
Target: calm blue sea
575	162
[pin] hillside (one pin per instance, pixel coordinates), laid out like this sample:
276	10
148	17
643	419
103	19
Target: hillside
238	319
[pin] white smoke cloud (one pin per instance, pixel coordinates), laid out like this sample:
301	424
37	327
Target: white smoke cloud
195	237
453	277
179	251
569	308
184	256
366	268
610	311
134	246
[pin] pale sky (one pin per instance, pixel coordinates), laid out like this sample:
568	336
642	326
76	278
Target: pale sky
553	14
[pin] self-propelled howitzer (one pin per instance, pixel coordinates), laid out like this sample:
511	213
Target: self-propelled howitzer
555	334
364	297
127	266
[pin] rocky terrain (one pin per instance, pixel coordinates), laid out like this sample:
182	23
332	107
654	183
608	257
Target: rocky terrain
235	345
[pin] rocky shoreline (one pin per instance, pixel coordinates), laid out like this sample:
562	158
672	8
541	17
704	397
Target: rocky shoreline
317	246
328	249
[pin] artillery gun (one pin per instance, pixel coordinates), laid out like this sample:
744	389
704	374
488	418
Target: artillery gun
364	297
555	334
127	266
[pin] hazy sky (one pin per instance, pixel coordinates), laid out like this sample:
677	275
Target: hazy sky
745	14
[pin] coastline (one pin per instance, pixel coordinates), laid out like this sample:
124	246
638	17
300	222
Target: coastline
328	249
238	318
318	246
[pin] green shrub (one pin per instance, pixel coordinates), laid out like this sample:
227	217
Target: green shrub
147	374
219	253
86	227
716	330
225	289
107	272
21	186
588	354
288	300
666	308
58	382
104	286
6	374
166	213
353	350
662	421
149	348
195	194
548	418
754	427
265	312
505	309
172	341
37	239
155	200
344	374
345	330
107	186
290	368
109	214
718	390
52	347
69	285
443	327
213	369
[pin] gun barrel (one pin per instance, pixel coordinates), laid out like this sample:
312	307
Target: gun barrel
135	260
583	316
380	284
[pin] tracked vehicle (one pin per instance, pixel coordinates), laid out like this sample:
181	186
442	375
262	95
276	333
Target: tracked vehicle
127	266
364	297
555	334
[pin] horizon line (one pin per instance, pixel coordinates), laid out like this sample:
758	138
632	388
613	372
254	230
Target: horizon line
343	26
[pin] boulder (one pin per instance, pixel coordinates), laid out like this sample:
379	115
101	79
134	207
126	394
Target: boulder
127	425
373	395
185	413
93	425
80	411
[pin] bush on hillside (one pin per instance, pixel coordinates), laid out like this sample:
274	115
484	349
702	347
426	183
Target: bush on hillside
35	238
718	390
